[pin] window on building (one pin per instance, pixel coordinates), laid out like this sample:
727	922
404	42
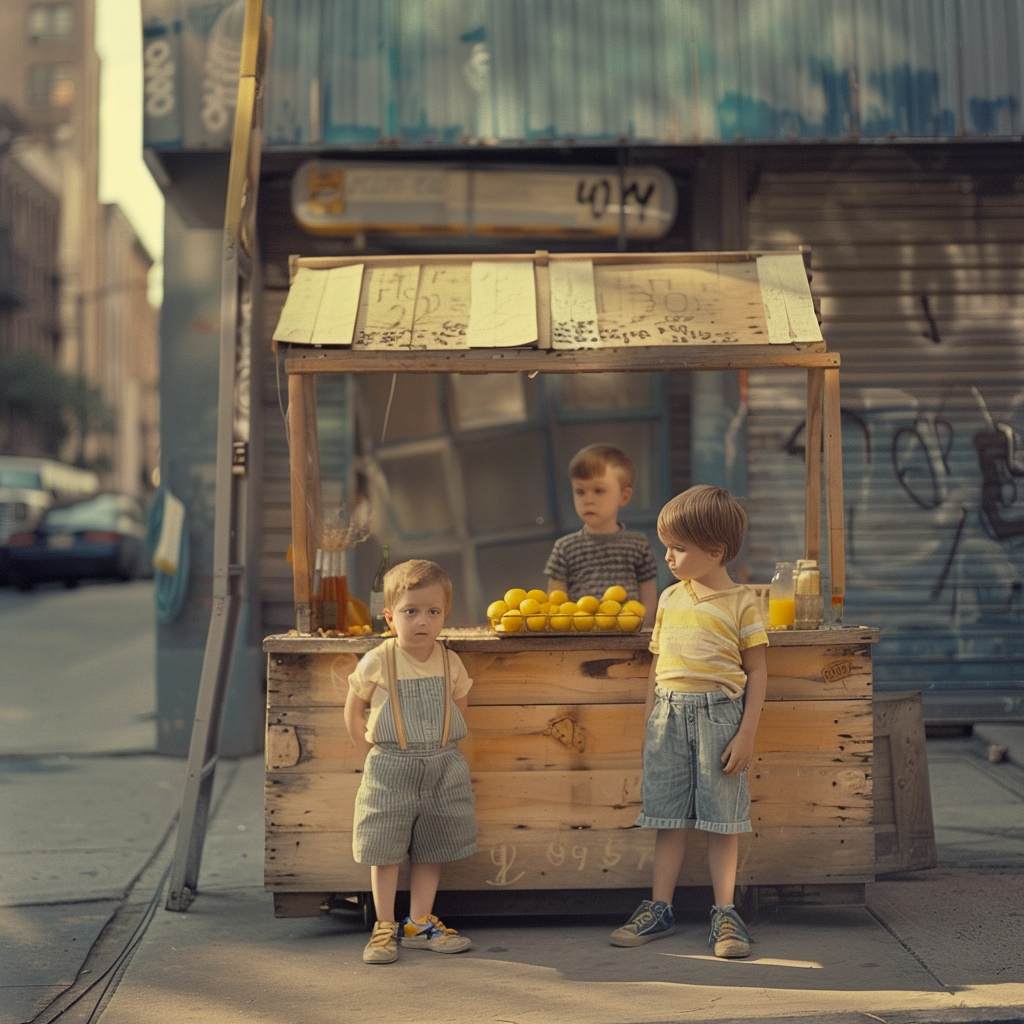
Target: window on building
50	85
50	23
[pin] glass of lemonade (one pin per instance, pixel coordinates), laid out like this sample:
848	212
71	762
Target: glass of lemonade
782	598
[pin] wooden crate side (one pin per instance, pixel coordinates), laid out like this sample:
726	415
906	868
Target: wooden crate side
904	829
794	796
308	679
795	731
557	800
582	737
558	677
588	859
565	677
819	673
801	796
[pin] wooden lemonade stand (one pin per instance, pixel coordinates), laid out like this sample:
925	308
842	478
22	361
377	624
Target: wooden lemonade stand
556	720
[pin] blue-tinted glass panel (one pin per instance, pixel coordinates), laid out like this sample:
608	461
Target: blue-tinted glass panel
505	481
641	440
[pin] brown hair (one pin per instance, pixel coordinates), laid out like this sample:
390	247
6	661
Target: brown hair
417	572
707	516
596	459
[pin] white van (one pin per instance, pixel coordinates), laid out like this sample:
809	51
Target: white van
29	486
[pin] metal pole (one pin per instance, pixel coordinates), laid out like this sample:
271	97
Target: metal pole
230	481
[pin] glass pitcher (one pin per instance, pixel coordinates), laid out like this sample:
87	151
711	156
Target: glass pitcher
782	597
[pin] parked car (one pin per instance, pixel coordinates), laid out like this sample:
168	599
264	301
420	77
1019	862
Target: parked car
28	487
100	537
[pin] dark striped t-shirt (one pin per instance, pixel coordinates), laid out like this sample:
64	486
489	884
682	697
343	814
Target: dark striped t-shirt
590	563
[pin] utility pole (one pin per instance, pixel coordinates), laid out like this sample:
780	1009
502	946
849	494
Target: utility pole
239	284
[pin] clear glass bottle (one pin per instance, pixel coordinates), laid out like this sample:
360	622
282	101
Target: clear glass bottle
377	621
781	604
808	608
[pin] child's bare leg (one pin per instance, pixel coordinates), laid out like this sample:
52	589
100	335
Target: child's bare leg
654	919
423	882
384	882
424	931
723	857
729	935
669	850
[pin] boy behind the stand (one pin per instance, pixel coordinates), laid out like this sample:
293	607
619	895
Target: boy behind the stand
707	686
603	554
415	796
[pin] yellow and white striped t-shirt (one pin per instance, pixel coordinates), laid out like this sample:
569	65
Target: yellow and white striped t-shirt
699	640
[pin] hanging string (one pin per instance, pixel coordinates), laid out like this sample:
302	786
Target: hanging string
387	411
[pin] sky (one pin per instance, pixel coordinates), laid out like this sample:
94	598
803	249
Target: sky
124	178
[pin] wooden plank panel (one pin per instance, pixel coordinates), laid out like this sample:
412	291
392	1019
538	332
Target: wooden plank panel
580	737
633	358
812	464
792	795
834	495
513	859
556	800
560	677
576	736
818	673
904	829
805	796
807	732
482	639
309	679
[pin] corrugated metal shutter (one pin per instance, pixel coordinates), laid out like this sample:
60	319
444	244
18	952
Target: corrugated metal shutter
919	264
277	608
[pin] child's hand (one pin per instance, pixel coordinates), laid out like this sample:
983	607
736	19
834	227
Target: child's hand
737	754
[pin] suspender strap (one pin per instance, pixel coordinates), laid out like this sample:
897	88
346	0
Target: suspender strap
392	685
447	697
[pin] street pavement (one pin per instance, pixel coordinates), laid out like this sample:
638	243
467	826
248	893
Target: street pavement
88	815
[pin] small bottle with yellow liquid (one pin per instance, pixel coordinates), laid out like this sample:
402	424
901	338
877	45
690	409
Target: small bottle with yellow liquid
782	597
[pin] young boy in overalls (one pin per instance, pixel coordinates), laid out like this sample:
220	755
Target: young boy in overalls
707	687
415	796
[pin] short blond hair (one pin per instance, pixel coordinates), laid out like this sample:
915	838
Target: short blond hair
596	459
707	516
416	572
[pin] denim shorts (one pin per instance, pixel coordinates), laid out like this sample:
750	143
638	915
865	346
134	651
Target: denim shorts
684	785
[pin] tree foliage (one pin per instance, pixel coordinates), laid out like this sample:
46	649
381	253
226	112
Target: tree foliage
57	404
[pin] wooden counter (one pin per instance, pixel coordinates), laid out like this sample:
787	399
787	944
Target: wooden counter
555	727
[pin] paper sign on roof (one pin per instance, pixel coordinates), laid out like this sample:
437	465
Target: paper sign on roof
786	294
503	309
587	302
693	303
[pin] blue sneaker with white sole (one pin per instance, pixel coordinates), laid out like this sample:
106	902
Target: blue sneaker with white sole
653	919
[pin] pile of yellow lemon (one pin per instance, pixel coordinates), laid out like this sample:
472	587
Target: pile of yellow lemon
535	611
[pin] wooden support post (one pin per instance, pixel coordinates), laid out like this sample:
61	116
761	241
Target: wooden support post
307	513
812	439
834	491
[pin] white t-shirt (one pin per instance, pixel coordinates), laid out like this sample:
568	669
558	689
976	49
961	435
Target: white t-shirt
366	680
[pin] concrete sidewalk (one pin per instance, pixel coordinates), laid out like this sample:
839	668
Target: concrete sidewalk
88	836
940	945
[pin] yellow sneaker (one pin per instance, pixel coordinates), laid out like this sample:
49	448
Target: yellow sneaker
383	945
430	933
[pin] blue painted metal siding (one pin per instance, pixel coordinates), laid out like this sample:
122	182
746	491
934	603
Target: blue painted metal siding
445	72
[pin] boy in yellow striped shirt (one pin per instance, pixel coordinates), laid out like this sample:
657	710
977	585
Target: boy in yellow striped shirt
707	687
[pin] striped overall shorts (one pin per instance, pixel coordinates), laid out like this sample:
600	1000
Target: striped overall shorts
415	796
